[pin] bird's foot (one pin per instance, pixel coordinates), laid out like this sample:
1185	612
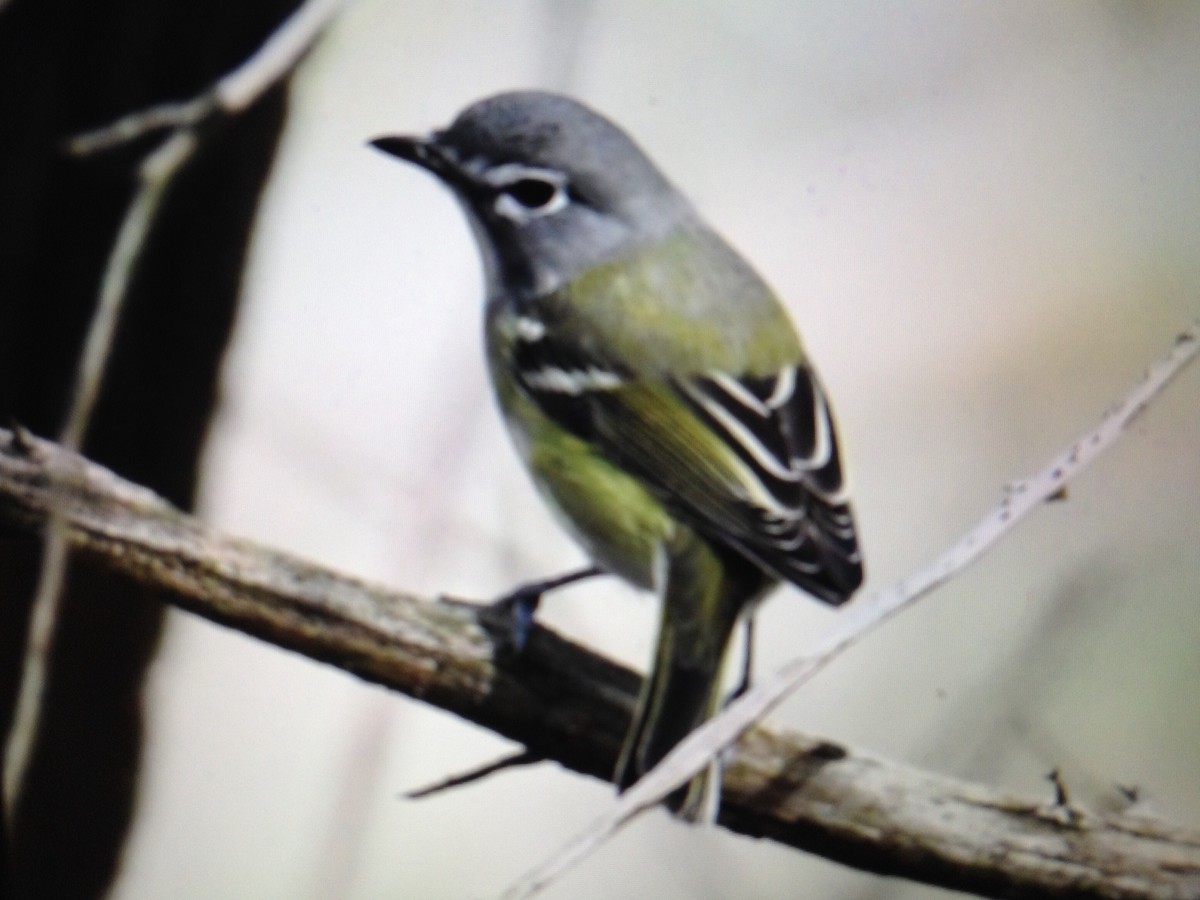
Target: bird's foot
514	611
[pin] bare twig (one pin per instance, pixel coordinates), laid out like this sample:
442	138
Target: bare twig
566	704
233	93
856	619
512	761
278	56
182	115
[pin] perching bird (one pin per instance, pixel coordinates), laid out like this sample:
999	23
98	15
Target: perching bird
653	385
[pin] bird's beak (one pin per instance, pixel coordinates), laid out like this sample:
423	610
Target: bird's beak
422	151
406	147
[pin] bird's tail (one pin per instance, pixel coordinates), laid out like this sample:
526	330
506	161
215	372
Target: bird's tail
701	599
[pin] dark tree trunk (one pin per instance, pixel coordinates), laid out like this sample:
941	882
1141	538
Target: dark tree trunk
67	66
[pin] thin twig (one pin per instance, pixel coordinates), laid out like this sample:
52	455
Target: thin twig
232	93
855	620
139	124
512	761
277	57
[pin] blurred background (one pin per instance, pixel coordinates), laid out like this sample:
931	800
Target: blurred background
985	219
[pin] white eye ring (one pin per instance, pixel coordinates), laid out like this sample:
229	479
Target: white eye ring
508	177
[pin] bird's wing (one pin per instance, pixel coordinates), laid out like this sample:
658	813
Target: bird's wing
750	461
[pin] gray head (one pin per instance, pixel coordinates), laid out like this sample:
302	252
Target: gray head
551	187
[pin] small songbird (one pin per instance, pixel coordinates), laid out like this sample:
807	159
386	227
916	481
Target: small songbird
654	387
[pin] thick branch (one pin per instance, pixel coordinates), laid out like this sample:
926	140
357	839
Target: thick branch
569	705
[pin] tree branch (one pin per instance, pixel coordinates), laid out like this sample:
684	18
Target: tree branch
569	705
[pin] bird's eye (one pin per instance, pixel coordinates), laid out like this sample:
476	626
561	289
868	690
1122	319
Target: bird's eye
524	193
532	193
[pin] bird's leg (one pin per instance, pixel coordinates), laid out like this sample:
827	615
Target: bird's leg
743	685
518	605
747	659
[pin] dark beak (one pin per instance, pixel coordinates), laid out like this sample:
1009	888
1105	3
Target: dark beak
412	149
422	151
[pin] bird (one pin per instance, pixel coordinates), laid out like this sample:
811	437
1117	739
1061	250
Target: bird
655	388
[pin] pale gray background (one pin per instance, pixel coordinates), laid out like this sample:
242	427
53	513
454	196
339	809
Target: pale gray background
983	217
